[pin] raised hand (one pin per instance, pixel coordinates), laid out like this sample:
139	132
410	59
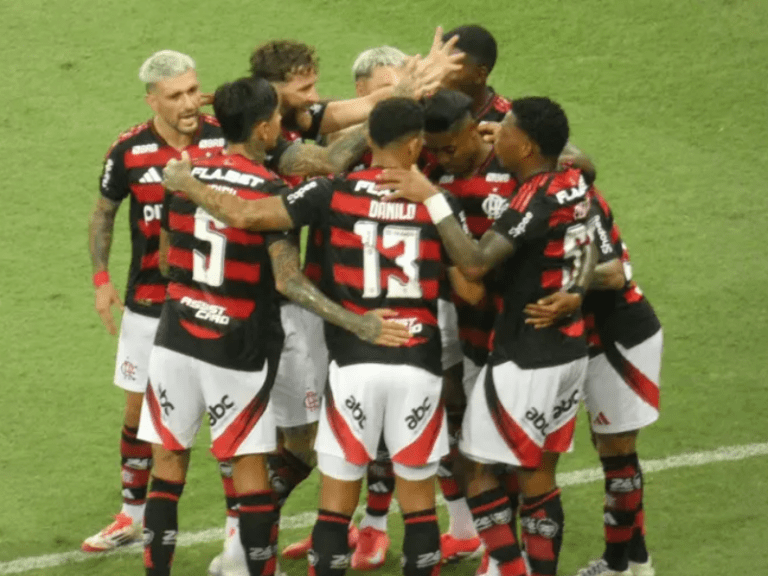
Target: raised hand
177	172
106	297
382	332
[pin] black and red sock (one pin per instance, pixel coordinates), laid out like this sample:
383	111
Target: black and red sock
286	471
330	554
421	544
493	515
511	486
623	508
638	552
542	520
381	487
258	531
230	495
136	462
161	525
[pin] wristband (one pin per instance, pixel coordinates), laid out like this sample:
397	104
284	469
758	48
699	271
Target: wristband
577	290
101	278
438	208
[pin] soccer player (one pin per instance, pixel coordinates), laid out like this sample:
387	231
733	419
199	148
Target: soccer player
219	336
378	254
522	410
621	390
132	168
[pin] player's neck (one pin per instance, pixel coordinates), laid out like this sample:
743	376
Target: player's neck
248	150
480	98
171	136
386	159
535	166
484	150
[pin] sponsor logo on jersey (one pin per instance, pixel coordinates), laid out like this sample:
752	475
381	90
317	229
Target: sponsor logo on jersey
565	405
601	420
413	324
494	206
217	411
299	193
206	311
519	230
357	411
228	175
447	179
538	420
143	149
211	143
571	194
151	176
165	404
417	414
497	177
107	173
152	212
370	188
391	211
605	241
128	370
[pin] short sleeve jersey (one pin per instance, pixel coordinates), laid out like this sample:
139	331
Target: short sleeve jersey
483	197
378	254
547	221
222	302
134	167
625	315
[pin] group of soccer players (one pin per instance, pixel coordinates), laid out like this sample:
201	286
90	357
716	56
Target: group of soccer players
464	288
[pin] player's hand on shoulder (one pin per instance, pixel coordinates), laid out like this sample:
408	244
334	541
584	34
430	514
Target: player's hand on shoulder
407	184
489	130
206	99
550	309
106	297
177	173
377	329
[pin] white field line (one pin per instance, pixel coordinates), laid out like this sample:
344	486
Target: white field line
307	519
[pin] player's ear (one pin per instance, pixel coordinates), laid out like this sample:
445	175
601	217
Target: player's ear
482	74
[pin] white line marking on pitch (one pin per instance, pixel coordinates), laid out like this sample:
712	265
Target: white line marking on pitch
307	519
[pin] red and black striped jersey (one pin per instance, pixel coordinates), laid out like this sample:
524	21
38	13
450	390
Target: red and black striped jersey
547	222
625	315
377	254
133	167
495	108
222	302
483	197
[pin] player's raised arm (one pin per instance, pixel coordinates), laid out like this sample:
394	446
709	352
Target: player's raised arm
100	231
473	259
305	159
293	284
255	215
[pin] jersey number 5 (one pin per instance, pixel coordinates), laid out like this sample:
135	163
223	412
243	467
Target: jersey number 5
209	269
391	236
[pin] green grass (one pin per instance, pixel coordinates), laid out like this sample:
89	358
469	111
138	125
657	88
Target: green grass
667	97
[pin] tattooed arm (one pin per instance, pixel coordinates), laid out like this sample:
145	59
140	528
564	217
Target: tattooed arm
291	282
608	276
302	159
100	232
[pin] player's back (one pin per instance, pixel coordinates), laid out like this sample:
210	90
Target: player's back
547	220
222	302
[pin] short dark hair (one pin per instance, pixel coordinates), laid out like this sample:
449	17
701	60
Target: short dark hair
544	121
394	118
445	110
242	104
476	42
277	60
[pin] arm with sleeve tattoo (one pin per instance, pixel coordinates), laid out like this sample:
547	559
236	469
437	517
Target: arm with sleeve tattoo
291	282
100	230
608	276
302	159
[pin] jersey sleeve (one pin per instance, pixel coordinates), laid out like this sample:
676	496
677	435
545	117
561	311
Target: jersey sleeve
272	160
525	224
316	112
310	202
114	177
601	224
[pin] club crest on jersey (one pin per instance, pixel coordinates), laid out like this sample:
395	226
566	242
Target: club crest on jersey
128	370
494	206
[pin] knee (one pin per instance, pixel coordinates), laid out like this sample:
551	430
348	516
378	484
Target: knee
616	444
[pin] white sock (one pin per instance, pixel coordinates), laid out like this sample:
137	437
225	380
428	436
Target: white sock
376	522
135	511
462	524
232	523
233	547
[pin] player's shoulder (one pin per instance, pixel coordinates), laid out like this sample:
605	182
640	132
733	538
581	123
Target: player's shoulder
568	186
138	135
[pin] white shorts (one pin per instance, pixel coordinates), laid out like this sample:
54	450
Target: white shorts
622	393
515	415
364	401
303	368
182	389
137	335
448	321
340	469
471	374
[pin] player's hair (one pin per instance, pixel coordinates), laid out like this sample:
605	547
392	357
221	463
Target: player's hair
367	61
163	65
242	104
447	111
394	119
476	42
544	121
277	60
